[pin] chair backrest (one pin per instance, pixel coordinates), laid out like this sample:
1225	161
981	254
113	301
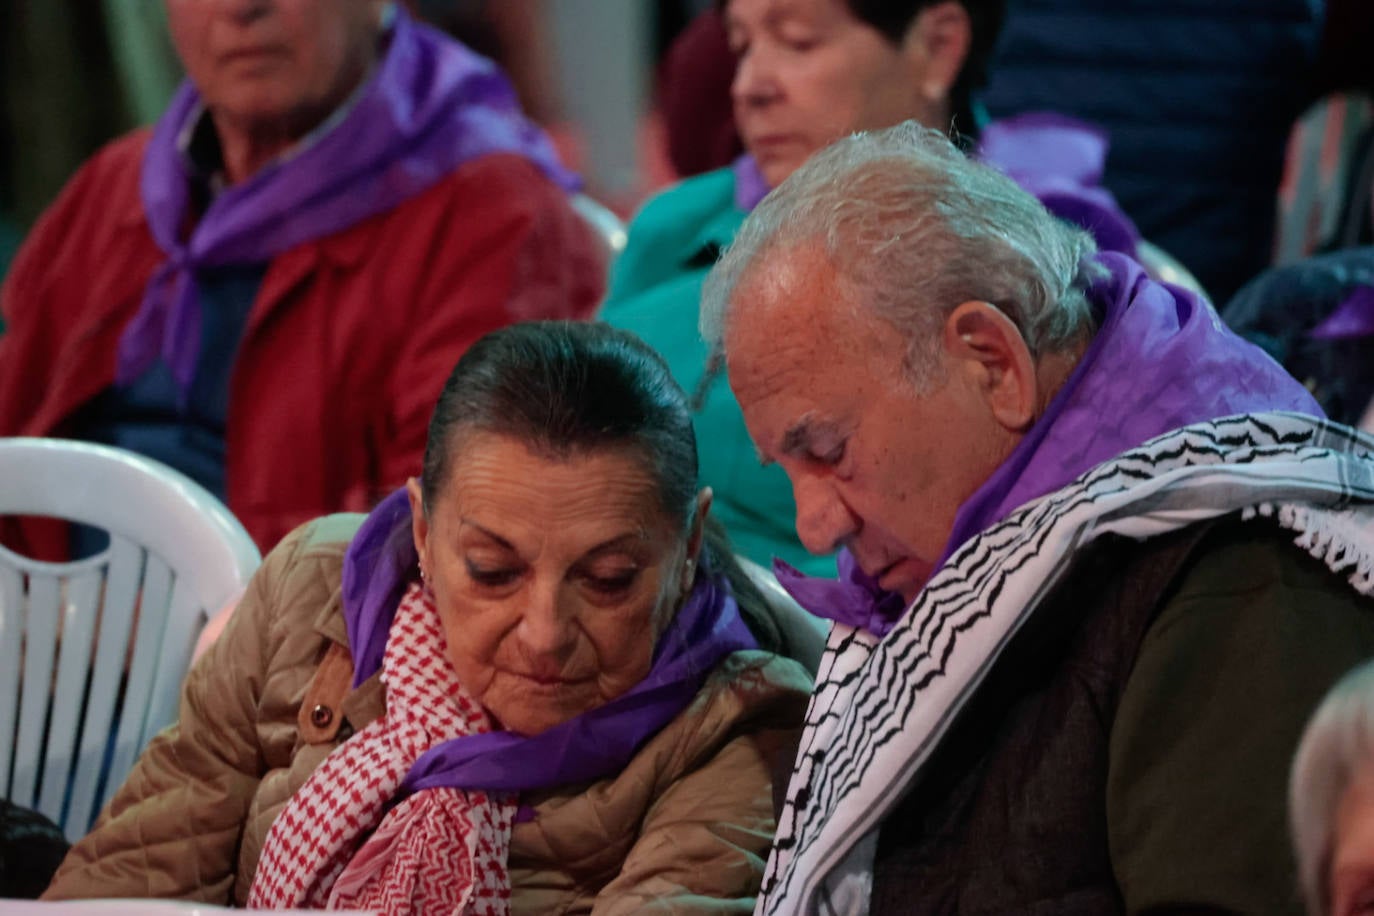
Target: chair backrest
93	651
1166	268
604	221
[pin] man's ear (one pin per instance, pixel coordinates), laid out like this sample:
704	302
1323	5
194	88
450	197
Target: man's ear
936	45
419	523
983	344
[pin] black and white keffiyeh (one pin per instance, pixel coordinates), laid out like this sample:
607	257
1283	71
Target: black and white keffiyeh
880	708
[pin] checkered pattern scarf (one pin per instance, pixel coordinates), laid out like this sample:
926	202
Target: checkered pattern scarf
337	844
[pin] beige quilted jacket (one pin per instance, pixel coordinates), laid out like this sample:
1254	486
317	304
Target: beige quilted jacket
685	828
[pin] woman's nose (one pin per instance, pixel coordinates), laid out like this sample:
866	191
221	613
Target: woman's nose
547	628
823	520
754	82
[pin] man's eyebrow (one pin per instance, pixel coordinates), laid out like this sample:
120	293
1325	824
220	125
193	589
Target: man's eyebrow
801	436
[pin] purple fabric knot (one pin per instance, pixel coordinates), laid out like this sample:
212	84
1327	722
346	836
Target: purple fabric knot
431	106
854	598
1354	317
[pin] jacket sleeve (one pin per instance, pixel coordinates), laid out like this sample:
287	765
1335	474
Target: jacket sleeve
1252	636
172	830
705	840
512	249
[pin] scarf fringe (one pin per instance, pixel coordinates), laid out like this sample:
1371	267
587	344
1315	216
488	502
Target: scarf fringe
1335	537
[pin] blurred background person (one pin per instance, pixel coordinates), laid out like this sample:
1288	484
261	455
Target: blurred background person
1197	97
267	290
1331	800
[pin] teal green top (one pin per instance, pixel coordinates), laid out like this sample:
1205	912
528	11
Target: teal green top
656	293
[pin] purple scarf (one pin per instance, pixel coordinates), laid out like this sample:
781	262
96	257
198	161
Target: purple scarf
1061	161
1353	317
1058	159
1162	359
380	563
430	106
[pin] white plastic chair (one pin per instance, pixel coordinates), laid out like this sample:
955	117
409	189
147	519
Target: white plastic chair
602	219
93	651
1166	268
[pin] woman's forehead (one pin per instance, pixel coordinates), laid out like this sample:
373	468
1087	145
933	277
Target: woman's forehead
501	486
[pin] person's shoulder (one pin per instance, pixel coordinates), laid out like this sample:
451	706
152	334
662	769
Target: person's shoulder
751	689
687	207
114	170
110	176
677	233
504	177
309	561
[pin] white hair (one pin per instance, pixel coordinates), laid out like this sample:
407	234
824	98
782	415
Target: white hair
914	228
1337	748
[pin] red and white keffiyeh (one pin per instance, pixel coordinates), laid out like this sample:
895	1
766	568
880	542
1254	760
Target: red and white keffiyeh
439	850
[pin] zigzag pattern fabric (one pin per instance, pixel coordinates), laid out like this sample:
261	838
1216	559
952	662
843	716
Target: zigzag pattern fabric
438	850
881	707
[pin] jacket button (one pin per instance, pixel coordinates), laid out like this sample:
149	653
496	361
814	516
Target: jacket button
321	716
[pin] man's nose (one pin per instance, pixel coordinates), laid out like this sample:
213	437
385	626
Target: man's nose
823	520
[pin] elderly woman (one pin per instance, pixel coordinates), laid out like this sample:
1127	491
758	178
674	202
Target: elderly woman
1331	799
810	72
333	207
525	682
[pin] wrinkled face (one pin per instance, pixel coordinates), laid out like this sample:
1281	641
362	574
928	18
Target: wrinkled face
1352	851
553	578
810	73
874	466
275	65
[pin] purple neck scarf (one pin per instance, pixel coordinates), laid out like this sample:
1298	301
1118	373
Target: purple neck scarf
1353	317
380	563
1161	359
429	106
1061	161
1058	159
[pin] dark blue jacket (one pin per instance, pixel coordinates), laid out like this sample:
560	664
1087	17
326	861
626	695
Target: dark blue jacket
1198	96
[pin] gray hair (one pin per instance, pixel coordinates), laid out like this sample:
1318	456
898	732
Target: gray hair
914	228
1337	747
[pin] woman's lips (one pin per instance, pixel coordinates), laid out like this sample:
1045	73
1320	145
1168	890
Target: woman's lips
554	680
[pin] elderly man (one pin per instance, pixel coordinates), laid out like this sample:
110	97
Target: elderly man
1085	603
268	289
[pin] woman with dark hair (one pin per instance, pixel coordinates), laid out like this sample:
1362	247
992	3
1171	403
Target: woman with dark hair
525	684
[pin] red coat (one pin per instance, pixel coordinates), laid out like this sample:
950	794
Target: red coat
348	342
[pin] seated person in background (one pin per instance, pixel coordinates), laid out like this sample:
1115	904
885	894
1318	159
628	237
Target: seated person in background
541	658
1198	97
1078	642
1316	317
1331	799
267	291
809	72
